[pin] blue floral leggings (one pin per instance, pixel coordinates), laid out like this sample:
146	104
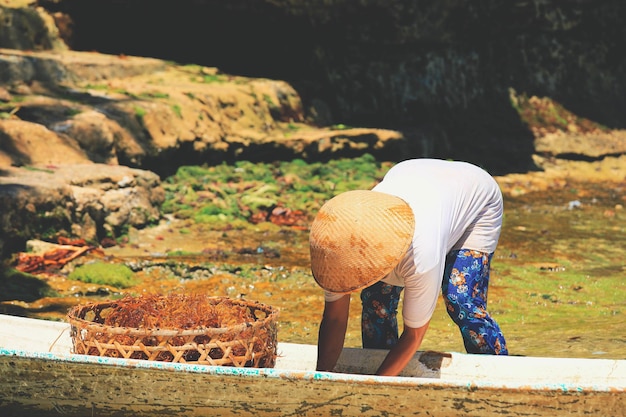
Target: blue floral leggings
464	288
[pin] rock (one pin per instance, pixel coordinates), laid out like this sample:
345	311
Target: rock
27	143
64	66
94	133
156	115
40	247
582	146
27	27
91	201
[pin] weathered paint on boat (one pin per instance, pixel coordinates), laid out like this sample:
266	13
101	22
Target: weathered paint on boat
40	378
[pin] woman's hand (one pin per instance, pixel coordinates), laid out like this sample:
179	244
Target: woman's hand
400	355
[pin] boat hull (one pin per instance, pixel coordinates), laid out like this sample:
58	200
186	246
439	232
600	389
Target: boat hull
40	377
45	385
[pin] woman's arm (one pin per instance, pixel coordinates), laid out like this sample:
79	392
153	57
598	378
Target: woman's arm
400	355
332	333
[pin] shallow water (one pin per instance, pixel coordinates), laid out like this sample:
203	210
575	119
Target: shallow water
557	289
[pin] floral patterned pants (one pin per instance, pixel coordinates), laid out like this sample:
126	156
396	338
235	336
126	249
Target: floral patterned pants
464	288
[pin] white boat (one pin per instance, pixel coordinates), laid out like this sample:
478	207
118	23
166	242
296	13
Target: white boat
39	376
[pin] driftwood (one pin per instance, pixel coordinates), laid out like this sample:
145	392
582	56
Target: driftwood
56	258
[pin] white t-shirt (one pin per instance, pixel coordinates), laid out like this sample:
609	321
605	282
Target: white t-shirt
456	205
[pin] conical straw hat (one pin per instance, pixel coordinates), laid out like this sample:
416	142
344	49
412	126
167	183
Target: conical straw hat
357	238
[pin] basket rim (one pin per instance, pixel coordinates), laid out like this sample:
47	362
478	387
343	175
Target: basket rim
74	320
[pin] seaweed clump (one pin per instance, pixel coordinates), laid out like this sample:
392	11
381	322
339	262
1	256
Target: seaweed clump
175	311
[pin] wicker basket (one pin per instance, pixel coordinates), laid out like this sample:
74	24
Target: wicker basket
248	344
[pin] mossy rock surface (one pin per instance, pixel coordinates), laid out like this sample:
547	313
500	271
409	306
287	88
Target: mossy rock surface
116	275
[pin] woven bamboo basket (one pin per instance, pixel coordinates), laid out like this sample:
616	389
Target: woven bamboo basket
248	344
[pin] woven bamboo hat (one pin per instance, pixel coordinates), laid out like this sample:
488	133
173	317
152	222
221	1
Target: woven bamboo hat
357	238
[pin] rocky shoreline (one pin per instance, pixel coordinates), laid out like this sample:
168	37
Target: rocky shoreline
62	146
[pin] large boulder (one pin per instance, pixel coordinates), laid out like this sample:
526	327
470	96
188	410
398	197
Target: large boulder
90	201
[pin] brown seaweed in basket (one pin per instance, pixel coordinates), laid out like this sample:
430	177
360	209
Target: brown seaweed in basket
177	312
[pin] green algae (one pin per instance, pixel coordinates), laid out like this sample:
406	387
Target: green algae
115	275
225	193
